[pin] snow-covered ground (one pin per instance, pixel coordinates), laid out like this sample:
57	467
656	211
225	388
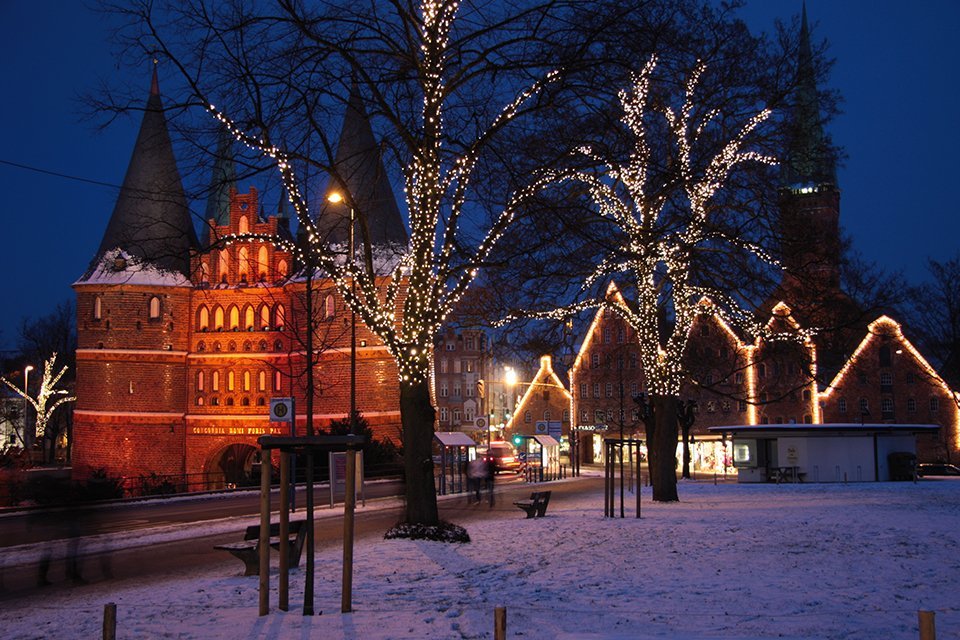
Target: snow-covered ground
728	561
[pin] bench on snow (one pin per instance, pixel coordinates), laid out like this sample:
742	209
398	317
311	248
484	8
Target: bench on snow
249	549
536	506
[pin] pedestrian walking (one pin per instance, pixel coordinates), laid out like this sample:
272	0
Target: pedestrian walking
475	472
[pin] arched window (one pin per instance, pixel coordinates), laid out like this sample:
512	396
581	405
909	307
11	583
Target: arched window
246	381
97	308
243	262
234	317
527	417
231	380
262	381
261	402
245	402
215	381
264	314
218	318
243	225
263	262
199	401
277	381
282	269
201	346
203	318
229	402
200	380
223	265
328	308
279	317
278	345
546	415
248	318
154	308
262	346
231	346
248	346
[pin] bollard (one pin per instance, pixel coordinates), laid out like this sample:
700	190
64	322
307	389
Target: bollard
500	623
110	621
928	628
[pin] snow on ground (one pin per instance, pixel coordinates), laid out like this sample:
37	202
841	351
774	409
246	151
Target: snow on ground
729	561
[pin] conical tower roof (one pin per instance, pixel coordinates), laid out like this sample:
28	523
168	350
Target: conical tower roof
151	221
222	179
809	158
359	166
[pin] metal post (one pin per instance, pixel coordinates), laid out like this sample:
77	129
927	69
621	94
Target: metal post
283	579
308	578
349	504
264	541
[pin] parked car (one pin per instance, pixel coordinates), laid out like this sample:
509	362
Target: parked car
937	469
504	457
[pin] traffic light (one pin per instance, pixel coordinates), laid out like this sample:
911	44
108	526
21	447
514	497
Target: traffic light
517	440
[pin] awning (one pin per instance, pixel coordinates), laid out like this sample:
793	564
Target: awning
455	439
546	441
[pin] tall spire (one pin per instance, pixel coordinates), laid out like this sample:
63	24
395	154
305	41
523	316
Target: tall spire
222	180
809	159
151	221
359	167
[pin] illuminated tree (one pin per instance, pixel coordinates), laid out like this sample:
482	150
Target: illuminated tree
48	398
663	243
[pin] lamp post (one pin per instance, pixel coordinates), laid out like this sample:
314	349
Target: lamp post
350	496
26	392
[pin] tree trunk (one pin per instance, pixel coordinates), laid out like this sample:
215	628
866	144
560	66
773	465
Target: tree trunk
663	449
417	416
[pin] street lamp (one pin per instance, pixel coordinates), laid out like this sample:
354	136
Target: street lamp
335	197
26	392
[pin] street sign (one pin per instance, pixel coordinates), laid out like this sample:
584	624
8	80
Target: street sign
281	410
481	423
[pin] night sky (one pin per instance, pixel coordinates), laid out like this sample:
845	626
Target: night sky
895	69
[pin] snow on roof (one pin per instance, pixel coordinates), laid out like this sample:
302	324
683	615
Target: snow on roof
119	267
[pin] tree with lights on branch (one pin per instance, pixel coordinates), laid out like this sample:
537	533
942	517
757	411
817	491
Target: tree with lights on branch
662	210
48	399
432	79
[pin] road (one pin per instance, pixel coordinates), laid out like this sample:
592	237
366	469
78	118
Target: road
172	559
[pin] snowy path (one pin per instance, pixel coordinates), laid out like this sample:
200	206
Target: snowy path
729	561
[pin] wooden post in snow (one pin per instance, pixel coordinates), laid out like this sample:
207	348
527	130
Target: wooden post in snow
928	628
500	623
110	621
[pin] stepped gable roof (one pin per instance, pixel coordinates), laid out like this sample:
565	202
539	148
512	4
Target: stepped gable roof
151	221
359	167
809	158
222	179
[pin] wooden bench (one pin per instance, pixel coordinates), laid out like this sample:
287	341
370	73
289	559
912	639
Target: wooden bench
536	506
249	549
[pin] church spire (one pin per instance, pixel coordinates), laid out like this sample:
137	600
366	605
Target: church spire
222	180
360	171
151	221
809	159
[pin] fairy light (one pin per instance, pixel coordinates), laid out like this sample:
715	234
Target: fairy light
49	398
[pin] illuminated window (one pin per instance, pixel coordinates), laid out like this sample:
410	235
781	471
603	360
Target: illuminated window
246	381
215	381
203	318
230	381
279	317
200	380
154	308
328	307
262	263
243	262
248	318
262	381
282	269
277	381
243	226
218	318
444	389
599	416
199	401
234	317
97	308
223	265
444	414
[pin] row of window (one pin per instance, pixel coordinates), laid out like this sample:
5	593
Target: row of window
886	405
445	390
214	401
247	346
216	381
595	361
248	267
469	343
233	319
609	389
154	310
468	414
459	366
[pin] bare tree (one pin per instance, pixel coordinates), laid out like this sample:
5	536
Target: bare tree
48	399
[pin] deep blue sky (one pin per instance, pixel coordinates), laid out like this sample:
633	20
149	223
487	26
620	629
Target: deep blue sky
895	68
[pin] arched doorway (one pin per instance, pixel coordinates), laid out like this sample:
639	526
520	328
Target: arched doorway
234	466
